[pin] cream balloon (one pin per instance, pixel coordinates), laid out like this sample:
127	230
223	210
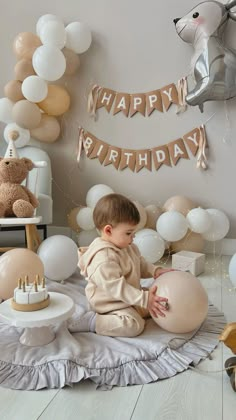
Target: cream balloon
53	33
190	242
48	130
25	44
15	264
26	114
153	213
179	203
84	218
6	110
151	246
199	220
96	192
187	300
219	225
13	91
49	62
57	101
34	89
45	19
78	37
71	217
23	69
172	226
72	61
143	215
59	255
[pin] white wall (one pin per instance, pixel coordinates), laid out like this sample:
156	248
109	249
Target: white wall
135	49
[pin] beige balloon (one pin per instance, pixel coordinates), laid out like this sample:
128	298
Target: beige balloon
15	264
153	212
72	61
48	130
179	203
23	69
13	91
57	101
26	114
190	242
25	43
143	215
187	300
71	217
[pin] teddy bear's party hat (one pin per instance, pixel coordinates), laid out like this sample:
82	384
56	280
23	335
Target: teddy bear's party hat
11	148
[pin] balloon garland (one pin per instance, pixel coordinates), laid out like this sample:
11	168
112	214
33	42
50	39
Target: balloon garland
179	225
33	103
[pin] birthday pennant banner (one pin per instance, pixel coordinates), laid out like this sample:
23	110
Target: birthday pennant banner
143	103
168	154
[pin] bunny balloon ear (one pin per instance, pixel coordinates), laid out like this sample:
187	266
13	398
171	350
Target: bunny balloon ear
229	6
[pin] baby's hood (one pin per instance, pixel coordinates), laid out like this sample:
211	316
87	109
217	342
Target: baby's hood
86	254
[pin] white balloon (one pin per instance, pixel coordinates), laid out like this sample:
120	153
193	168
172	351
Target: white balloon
49	62
199	220
44	19
53	33
84	218
219	225
150	244
172	226
85	237
232	270
6	110
34	89
23	134
78	37
95	193
59	255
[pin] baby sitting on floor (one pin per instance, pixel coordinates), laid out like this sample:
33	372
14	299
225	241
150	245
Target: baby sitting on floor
113	267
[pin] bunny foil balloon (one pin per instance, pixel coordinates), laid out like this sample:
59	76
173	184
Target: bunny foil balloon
213	65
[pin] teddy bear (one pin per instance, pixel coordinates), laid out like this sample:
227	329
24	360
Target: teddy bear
16	200
213	64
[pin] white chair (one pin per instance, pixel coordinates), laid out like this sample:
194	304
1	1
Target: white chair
39	182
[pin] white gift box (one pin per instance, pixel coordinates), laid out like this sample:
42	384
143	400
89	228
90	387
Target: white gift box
189	261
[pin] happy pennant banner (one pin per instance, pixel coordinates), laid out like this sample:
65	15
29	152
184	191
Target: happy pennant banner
142	103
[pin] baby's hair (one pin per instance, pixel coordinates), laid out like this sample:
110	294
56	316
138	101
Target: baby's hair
113	209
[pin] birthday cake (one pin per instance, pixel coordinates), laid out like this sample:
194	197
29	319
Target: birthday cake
30	296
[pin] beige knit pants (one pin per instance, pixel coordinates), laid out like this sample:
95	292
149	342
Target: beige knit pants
127	322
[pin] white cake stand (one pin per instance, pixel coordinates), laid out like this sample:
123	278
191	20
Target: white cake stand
37	324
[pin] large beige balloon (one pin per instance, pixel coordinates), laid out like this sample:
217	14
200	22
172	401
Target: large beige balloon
48	130
153	212
15	264
187	299
23	69
72	61
13	91
190	242
72	222
57	101
179	203
26	114
143	215
25	43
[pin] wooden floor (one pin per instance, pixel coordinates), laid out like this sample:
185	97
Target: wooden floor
188	396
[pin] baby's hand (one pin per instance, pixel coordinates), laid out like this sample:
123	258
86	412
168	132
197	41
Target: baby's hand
160	271
156	304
